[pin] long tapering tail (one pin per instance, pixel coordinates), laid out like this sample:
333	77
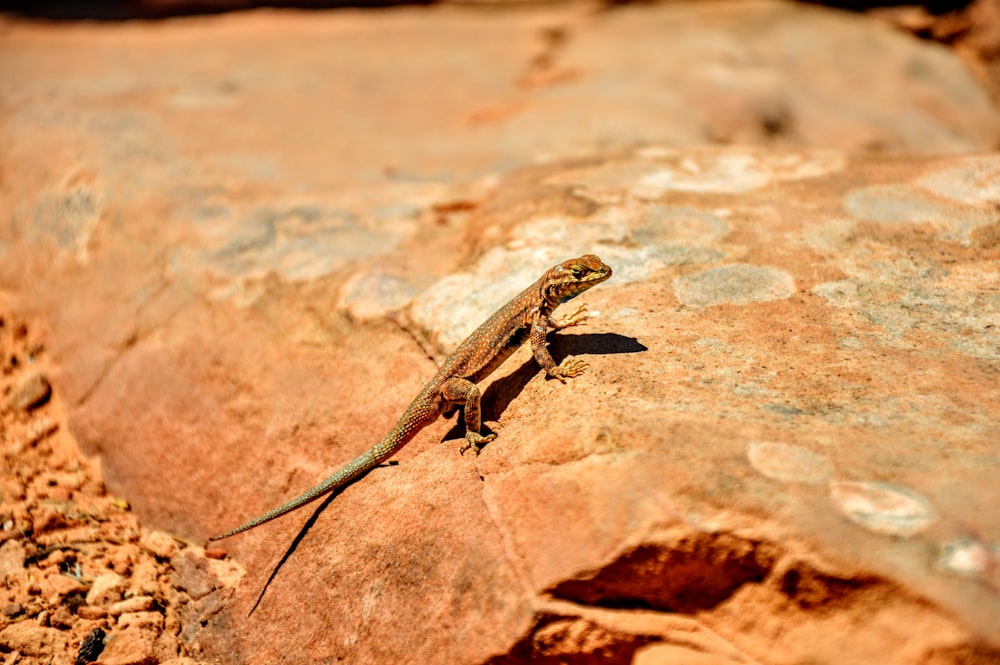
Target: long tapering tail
422	411
353	470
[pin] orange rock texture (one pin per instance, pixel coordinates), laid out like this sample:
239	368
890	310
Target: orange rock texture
233	248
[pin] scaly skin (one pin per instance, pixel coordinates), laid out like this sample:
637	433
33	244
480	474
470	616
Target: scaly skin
527	316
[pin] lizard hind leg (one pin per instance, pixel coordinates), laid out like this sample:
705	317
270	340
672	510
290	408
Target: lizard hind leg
456	390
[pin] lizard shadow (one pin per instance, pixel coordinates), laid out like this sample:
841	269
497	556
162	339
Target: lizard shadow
498	396
303	530
294	545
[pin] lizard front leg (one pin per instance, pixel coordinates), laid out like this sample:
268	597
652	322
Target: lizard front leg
577	318
456	390
569	368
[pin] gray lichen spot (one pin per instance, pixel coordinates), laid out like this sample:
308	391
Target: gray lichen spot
841	293
882	508
68	217
730	171
656	171
736	284
788	463
372	295
783	409
300	242
679	224
849	342
637	241
888	204
974	181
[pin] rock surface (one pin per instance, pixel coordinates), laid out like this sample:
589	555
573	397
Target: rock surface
787	434
971	28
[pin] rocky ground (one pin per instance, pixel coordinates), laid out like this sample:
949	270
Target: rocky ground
82	581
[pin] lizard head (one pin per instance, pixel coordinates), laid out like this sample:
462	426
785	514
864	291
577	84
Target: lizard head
571	278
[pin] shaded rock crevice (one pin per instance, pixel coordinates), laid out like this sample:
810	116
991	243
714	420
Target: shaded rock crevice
721	587
556	638
696	572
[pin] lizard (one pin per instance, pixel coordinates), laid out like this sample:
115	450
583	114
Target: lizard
528	316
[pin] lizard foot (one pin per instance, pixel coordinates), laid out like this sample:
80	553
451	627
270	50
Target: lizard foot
577	318
569	368
476	441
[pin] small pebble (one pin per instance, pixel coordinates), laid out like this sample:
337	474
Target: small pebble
788	463
91	613
144	620
967	557
106	589
91	648
160	544
62	618
136	604
30	393
11	610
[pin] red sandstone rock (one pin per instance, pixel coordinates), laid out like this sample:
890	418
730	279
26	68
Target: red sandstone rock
32	640
783	448
106	589
129	646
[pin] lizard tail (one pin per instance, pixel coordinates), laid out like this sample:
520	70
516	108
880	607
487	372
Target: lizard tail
420	413
353	470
